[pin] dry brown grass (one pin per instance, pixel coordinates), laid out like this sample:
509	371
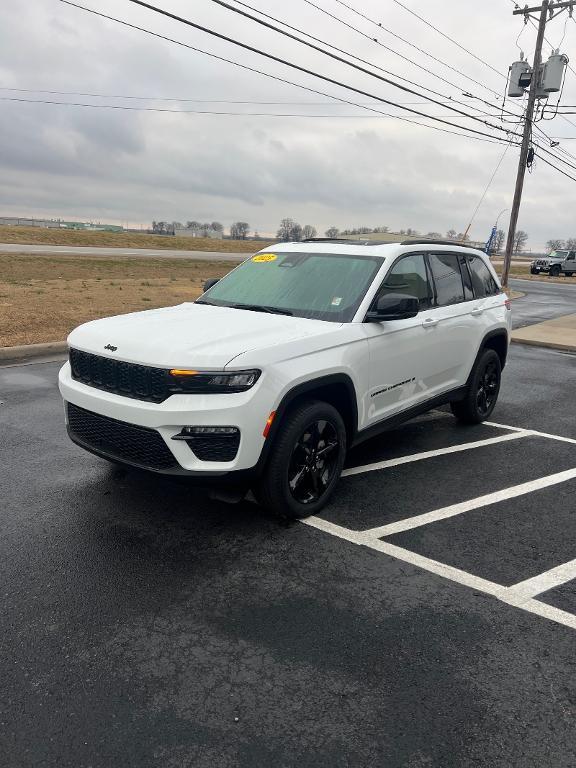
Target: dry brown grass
43	298
41	236
523	272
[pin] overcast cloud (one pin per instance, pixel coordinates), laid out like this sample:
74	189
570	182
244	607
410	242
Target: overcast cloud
132	167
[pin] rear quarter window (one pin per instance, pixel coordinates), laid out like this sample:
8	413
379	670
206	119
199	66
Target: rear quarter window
482	280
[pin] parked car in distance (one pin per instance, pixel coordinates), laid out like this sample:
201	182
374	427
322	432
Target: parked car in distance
298	354
556	263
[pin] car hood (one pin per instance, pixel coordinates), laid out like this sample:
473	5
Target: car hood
191	335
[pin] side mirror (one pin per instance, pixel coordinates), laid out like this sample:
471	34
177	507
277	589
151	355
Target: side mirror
210	282
393	306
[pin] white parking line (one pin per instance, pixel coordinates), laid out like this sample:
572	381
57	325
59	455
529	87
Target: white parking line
502	593
431	454
466	506
544	581
533	432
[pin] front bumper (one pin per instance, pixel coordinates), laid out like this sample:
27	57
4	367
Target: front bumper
248	411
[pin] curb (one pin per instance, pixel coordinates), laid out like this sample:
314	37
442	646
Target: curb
547	344
27	352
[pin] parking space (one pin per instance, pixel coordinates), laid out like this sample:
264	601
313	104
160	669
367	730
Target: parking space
426	619
491	511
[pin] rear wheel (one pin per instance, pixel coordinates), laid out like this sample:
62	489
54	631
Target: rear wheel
305	461
483	391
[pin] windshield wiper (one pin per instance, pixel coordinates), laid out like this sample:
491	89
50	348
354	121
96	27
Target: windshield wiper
262	308
203	301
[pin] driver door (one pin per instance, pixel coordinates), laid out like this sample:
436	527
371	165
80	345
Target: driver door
401	354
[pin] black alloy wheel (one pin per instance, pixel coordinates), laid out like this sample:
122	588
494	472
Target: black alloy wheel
488	386
313	462
483	390
305	461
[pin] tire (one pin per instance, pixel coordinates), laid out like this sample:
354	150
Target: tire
568	274
554	271
293	485
482	392
534	271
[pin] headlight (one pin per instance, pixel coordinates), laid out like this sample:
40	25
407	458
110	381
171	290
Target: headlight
209	383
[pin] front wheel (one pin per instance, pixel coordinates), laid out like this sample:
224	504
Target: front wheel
554	271
305	461
483	391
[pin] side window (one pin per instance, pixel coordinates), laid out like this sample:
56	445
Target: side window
447	278
482	280
571	256
409	276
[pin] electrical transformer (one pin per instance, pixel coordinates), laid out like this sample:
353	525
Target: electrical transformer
553	73
517	70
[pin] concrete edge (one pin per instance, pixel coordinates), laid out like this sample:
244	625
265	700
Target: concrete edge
27	352
547	344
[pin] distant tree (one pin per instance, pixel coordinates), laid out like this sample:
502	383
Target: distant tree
159	227
520	240
289	230
451	234
308	231
332	232
381	229
571	244
217	227
434	235
498	241
555	244
239	230
194	226
411	232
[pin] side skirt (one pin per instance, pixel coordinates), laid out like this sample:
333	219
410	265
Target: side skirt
400	418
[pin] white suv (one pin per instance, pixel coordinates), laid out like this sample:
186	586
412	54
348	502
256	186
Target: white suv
295	356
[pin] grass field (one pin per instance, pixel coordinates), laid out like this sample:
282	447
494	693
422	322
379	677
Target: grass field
44	298
41	236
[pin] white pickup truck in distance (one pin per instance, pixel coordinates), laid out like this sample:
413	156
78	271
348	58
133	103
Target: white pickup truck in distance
298	354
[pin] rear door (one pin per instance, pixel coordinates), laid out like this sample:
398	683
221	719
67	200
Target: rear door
570	263
451	322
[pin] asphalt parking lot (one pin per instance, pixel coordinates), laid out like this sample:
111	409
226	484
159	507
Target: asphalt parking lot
427	618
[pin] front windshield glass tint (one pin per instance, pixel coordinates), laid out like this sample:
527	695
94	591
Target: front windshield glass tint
558	254
319	286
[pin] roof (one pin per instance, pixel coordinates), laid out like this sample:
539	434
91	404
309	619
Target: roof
367	247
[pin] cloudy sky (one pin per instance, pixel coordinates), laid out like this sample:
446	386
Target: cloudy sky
349	167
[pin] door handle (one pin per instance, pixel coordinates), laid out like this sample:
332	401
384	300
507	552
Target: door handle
430	322
476	312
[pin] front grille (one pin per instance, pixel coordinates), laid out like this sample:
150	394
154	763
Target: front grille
140	382
117	439
215	447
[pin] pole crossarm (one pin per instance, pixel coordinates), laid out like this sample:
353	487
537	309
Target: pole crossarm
551	7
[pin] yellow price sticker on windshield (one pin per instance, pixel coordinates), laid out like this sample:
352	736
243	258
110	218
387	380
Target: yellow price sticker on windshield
262	257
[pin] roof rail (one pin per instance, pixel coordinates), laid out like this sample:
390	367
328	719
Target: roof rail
348	241
438	242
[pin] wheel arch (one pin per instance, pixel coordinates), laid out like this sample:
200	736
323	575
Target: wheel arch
336	389
496	340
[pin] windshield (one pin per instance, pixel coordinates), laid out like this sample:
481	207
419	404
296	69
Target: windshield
557	254
313	285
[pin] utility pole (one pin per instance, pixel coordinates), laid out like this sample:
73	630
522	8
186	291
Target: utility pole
526	137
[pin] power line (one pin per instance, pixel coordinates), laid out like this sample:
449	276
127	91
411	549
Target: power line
382	45
277	78
407	42
202	101
358	58
447	37
266	24
573	178
200	111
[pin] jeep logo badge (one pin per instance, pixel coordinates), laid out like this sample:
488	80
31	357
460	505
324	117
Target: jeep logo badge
110	347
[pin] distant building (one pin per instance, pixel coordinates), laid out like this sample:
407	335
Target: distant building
16	221
185	232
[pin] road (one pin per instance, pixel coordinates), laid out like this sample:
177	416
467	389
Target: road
51	250
143	625
544	300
